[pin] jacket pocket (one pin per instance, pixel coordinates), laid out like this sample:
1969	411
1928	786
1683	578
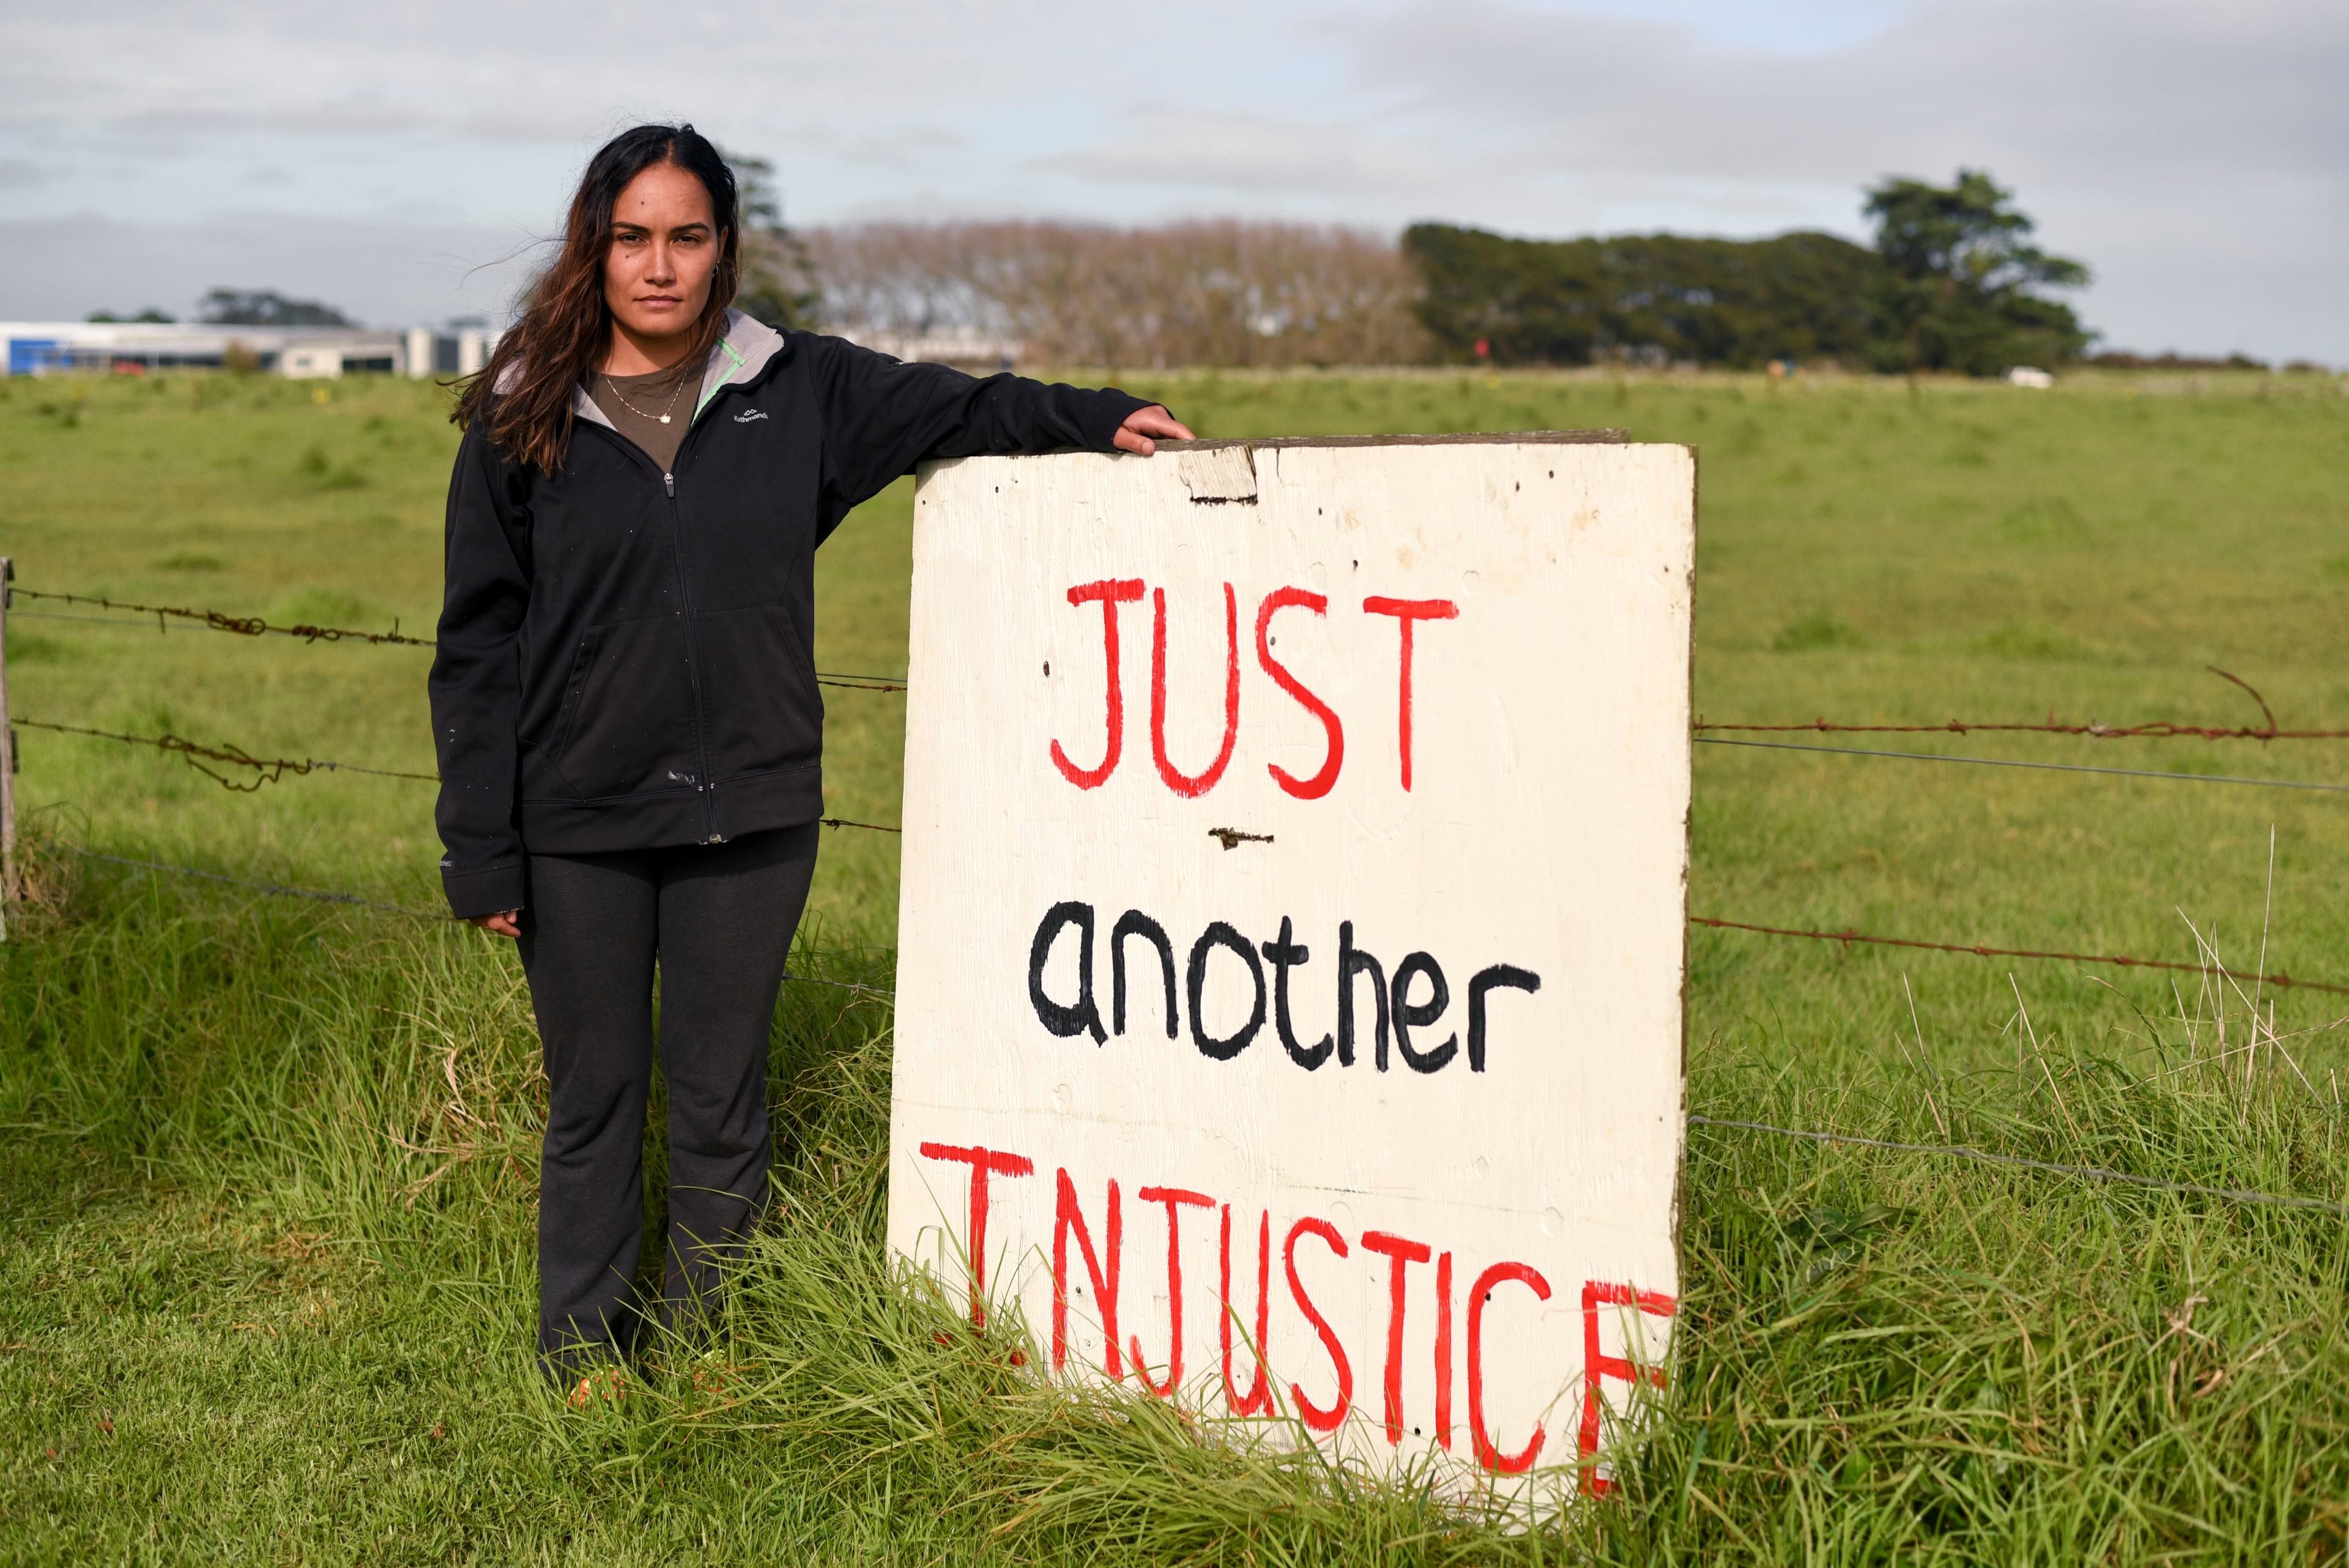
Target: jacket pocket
764	713
574	687
626	722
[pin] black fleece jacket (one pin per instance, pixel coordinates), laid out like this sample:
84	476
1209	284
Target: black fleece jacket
627	658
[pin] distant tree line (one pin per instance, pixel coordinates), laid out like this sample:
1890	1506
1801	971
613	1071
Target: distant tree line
266	308
1953	283
243	307
2124	360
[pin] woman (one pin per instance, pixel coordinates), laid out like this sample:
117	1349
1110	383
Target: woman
624	696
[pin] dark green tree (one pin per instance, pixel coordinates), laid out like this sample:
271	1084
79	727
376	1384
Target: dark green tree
266	308
1959	287
1642	297
149	317
1528	301
778	282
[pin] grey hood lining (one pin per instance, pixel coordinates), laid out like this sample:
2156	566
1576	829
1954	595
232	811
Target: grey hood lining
741	352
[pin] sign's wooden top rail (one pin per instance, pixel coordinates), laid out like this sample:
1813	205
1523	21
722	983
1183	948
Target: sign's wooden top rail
1478	438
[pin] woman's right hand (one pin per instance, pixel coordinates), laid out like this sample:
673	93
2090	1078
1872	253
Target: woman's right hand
498	925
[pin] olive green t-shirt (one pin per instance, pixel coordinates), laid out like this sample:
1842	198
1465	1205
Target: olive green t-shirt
636	406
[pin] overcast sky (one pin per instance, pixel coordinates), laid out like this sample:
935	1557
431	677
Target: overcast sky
386	157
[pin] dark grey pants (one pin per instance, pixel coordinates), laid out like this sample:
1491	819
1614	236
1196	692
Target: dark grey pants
718	920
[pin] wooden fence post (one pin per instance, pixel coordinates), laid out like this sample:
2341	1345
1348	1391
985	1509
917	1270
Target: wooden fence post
7	759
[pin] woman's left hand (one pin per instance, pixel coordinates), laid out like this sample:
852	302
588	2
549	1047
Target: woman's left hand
1141	425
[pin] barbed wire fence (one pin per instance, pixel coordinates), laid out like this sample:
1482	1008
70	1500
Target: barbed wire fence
254	626
251	771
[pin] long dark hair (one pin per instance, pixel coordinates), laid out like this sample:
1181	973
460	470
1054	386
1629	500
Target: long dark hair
566	326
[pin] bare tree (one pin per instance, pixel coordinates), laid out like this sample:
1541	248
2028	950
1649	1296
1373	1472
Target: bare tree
1207	292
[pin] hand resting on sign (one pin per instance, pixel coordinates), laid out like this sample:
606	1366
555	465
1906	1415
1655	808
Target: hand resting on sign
1136	435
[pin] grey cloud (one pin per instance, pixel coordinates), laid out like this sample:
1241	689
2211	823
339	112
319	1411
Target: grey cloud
539	71
2187	88
1255	154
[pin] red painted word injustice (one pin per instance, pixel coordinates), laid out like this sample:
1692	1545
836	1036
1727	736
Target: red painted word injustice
1101	1251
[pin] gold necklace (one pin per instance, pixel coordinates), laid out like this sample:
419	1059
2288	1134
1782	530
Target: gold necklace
675	393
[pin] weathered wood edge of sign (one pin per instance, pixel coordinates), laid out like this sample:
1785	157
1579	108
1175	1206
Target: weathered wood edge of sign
1688	856
1522	1507
1223	470
1607	436
1468	437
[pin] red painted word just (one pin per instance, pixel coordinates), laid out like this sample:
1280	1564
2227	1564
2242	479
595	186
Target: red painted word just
1111	593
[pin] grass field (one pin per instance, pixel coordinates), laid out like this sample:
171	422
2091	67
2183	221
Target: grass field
267	1167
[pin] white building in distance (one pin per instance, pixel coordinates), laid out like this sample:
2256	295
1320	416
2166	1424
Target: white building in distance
136	347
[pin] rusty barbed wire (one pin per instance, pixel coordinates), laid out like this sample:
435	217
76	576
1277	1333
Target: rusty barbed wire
267	770
2019	762
2160	729
241	625
1975	949
2154	729
254	626
1959	1152
1981	951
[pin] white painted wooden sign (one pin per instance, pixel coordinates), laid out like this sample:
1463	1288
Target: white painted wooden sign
1291	955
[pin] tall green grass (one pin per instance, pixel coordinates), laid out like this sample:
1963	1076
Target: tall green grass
267	1167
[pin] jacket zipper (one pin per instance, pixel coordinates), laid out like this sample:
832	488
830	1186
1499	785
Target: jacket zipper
692	664
703	784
